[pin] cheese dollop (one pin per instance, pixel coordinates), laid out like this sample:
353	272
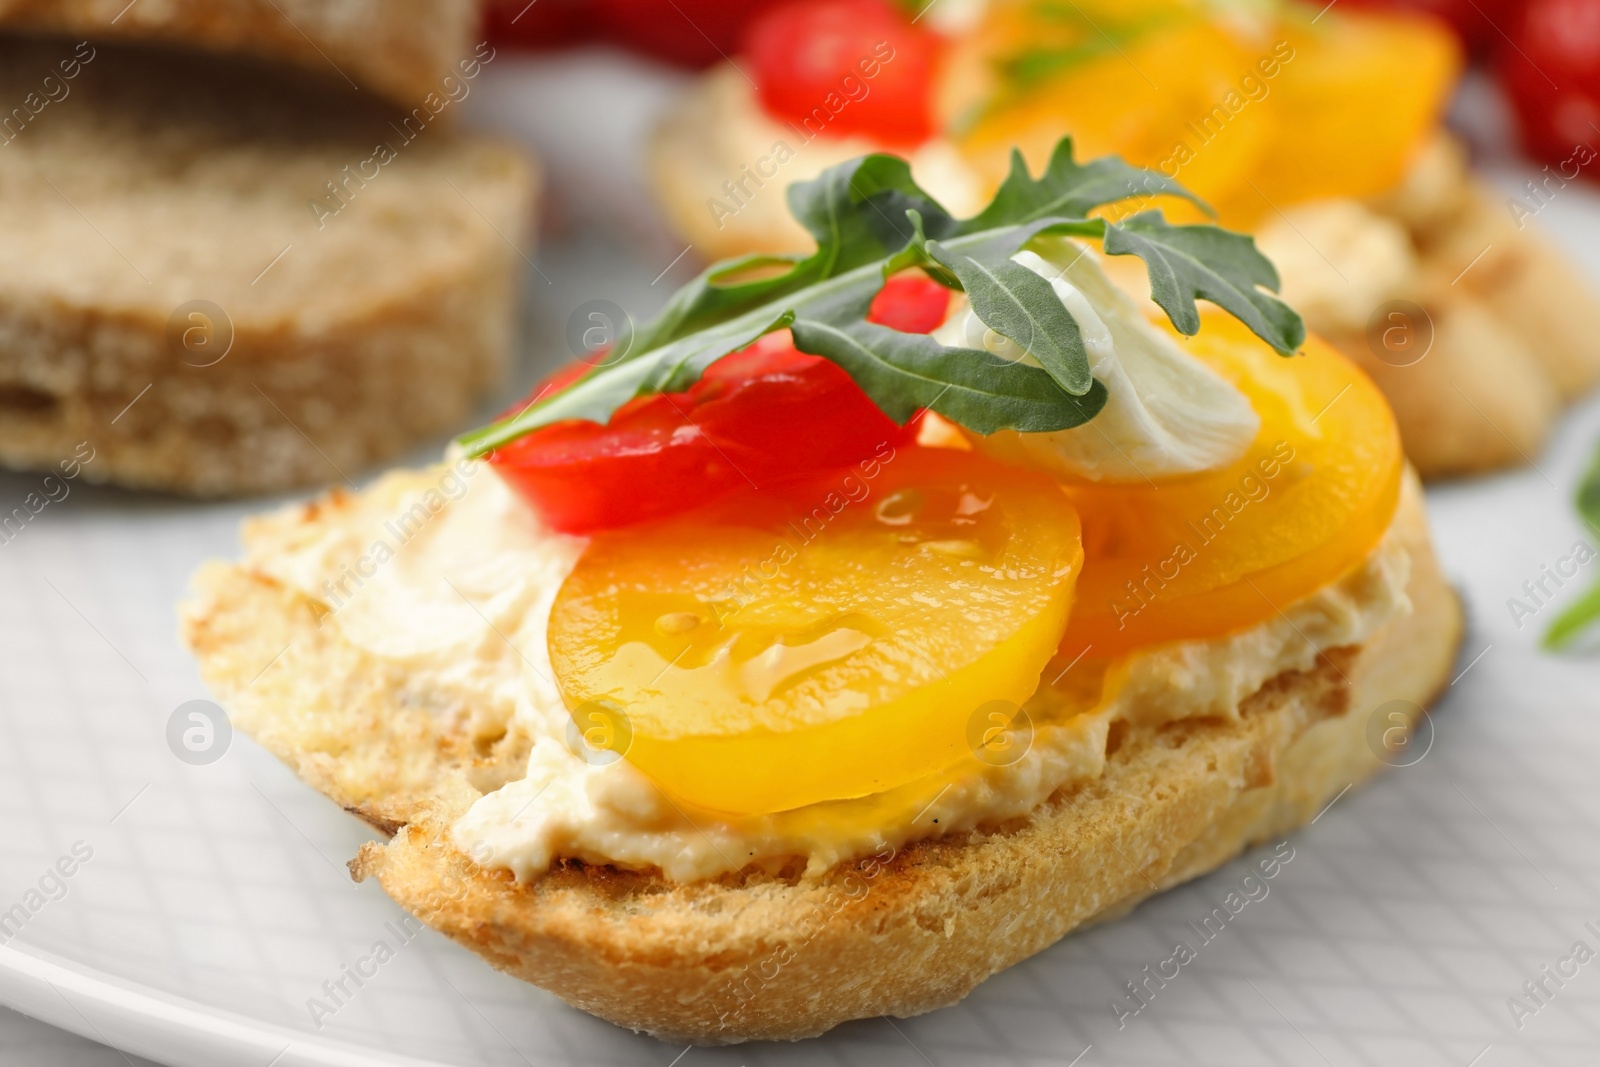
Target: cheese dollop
1167	414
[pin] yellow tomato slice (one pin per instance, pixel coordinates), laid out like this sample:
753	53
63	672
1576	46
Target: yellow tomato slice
1335	107
833	640
1226	550
1361	94
1148	100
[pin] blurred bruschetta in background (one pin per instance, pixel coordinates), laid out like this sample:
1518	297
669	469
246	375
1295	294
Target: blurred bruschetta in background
1318	129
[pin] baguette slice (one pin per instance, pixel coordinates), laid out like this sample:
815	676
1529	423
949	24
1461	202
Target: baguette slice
774	956
338	323
401	49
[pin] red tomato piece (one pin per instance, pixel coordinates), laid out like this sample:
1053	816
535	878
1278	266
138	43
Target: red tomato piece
842	67
763	416
1553	77
1481	24
690	33
910	303
539	25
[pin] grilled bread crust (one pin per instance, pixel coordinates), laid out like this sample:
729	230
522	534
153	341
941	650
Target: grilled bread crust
774	955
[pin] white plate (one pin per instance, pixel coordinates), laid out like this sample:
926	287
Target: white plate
216	904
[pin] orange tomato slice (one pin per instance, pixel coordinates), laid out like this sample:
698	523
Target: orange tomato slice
1223	551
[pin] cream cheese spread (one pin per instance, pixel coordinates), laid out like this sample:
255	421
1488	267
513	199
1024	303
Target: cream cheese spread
443	571
447	572
1167	414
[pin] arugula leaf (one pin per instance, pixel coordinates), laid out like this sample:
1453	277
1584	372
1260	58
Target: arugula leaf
1025	70
723	289
1205	261
594	397
977	389
1064	38
1573	620
870	219
856	211
1018	304
1585	611
1588	500
1068	189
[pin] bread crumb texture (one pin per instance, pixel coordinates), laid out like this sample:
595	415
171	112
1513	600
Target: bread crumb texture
298	305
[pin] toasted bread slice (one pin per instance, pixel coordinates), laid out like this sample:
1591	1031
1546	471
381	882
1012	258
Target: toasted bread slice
1472	239
761	955
217	278
1475	327
690	157
402	49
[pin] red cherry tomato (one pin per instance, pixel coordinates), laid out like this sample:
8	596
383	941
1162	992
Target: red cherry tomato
1553	77
845	66
539	25
1481	24
762	416
690	33
910	303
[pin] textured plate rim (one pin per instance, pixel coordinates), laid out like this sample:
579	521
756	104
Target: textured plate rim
146	1022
